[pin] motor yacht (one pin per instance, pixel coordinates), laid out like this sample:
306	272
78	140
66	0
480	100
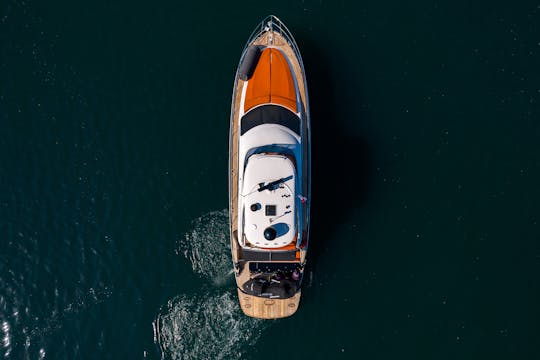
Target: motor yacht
269	173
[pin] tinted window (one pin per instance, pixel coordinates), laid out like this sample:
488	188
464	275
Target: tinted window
270	114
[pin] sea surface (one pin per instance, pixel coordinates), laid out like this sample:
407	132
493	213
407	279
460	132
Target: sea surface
114	119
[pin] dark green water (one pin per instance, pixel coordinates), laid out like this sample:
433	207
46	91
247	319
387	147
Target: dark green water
114	122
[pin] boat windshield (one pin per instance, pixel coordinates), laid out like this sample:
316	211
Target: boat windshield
270	114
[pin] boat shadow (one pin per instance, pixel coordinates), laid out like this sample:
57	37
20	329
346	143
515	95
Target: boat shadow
341	159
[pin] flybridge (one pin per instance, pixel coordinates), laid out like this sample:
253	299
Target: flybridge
269	204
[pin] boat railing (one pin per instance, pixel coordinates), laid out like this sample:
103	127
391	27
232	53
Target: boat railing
272	23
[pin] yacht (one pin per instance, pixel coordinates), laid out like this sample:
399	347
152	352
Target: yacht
269	173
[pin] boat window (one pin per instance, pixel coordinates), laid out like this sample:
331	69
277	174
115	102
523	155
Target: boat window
270	114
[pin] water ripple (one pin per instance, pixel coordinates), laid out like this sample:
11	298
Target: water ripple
6	338
208	325
206	246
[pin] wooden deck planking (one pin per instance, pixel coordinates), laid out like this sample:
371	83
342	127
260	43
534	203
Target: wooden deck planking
264	308
234	157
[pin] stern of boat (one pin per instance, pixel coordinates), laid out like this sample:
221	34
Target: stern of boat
265	308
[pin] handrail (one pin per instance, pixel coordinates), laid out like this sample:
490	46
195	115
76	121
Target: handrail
272	23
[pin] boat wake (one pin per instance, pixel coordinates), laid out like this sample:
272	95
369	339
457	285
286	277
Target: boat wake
208	325
206	246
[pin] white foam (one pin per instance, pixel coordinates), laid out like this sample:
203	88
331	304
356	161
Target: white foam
207	247
209	326
6	338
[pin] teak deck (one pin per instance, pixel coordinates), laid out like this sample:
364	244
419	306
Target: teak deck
263	308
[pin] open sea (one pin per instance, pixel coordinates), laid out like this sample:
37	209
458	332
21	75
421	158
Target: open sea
114	120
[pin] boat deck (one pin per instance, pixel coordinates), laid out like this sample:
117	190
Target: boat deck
264	308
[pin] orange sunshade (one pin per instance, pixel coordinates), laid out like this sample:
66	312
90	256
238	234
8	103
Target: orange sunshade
272	82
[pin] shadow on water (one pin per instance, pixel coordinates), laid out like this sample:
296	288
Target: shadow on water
341	159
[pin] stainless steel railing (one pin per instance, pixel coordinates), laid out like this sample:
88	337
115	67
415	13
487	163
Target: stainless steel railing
272	23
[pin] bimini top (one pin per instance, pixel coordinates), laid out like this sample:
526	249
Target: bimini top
269	201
